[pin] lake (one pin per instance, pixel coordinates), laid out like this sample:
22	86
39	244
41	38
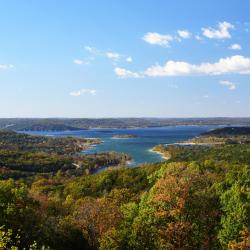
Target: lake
139	146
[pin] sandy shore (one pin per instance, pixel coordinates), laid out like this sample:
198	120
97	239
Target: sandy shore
196	143
159	153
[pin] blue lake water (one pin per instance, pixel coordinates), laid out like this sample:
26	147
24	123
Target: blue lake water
138	147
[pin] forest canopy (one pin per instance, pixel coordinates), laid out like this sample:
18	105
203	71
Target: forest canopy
197	199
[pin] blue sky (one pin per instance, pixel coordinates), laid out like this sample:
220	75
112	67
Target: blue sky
143	58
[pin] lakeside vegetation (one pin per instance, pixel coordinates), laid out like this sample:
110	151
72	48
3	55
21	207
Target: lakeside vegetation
10	140
161	149
214	144
23	155
227	135
198	199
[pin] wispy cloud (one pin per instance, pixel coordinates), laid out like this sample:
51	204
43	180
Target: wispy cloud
89	48
221	33
83	91
230	65
229	84
6	66
157	39
235	46
113	56
124	73
92	50
129	59
80	62
87	60
198	37
185	34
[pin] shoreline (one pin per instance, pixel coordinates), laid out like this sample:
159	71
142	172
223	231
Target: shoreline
190	143
163	156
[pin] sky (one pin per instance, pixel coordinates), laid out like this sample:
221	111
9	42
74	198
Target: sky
114	58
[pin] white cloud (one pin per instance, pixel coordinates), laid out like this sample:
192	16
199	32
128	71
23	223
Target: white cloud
184	34
229	65
198	37
83	91
92	50
235	64
80	62
124	73
6	66
113	56
221	33
88	48
235	46
157	39
229	84
245	72
129	59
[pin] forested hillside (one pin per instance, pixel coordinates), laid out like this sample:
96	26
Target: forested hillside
198	199
23	155
62	124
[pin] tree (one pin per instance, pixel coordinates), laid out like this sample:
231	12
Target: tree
235	201
95	217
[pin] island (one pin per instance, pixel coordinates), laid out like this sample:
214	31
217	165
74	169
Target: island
124	136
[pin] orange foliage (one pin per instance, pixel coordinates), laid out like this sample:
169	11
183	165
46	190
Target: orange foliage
95	217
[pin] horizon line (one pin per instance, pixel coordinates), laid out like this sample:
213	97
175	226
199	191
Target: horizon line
133	117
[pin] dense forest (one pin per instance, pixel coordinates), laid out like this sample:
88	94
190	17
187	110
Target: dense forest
23	155
197	199
229	131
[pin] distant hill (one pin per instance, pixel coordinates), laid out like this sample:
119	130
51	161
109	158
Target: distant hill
49	127
227	131
61	124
